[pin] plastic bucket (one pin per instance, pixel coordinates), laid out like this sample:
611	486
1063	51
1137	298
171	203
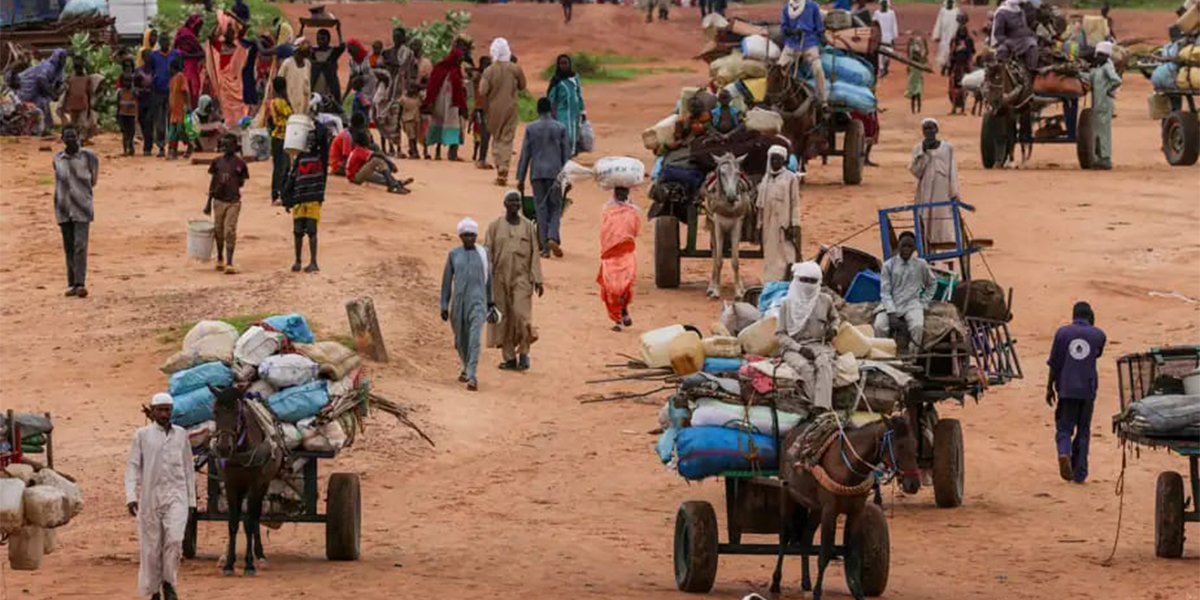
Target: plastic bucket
200	239
295	140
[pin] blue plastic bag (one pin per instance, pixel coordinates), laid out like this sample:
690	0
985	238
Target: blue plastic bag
293	326
213	373
300	402
715	364
772	292
1164	76
192	408
842	66
842	93
707	451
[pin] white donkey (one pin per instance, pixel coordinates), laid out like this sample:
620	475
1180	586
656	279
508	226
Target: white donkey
728	196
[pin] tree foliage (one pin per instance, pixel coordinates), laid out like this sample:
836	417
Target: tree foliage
438	36
99	60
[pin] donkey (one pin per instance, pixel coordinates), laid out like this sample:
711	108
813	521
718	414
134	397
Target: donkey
247	467
728	196
838	484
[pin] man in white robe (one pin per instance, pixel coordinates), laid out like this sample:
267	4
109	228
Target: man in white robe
937	181
943	33
160	490
779	206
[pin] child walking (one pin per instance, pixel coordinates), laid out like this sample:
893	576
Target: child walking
179	107
410	119
229	174
917	52
281	109
127	110
77	100
303	194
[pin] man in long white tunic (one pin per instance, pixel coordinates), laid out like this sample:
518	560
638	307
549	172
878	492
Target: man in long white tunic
943	33
937	181
779	204
160	488
906	287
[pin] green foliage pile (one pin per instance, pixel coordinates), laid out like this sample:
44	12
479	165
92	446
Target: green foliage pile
100	60
438	36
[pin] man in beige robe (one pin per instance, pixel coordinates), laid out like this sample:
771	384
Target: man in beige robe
512	243
779	204
501	82
807	325
937	181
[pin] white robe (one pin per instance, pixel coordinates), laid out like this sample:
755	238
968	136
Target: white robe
937	181
779	208
160	464
943	33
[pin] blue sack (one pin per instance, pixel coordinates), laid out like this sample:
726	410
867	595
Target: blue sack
840	65
188	380
192	408
707	451
722	365
300	402
293	326
1164	76
774	290
859	98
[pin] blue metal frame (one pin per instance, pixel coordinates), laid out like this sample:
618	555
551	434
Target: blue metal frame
956	205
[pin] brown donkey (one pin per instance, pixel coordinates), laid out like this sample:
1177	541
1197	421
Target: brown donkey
837	482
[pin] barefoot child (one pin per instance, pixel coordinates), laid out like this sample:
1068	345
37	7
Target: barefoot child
303	194
178	104
917	52
229	174
410	119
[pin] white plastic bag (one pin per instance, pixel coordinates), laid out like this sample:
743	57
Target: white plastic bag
256	345
764	121
586	140
211	341
757	47
287	370
619	171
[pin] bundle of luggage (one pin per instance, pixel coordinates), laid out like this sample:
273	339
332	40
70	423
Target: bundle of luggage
1163	416
34	502
1180	67
311	389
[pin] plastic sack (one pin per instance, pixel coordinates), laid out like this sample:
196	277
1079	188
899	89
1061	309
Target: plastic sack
721	347
256	345
736	316
333	358
619	171
1164	76
329	437
299	402
857	97
287	370
79	9
190	129
973	81
586	140
45	506
661	134
193	407
292	436
215	374
731	68
205	342
707	451
294	326
849	68
764	121
50	478
12	514
715	413
758	47
772	296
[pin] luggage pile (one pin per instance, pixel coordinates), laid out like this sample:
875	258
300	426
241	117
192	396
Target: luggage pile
1163	416
1180	67
34	503
310	388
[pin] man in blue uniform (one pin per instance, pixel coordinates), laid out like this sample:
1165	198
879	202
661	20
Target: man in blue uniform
1073	383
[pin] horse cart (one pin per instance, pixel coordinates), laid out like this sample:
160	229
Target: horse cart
1028	116
343	505
1181	128
1163	371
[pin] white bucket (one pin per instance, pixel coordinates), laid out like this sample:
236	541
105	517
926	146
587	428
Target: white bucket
201	240
295	140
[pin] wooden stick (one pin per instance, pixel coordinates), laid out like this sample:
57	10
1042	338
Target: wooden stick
903	59
397	411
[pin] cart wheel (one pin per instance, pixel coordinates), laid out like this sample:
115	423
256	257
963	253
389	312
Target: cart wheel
666	252
852	153
948	463
1181	138
189	537
876	550
1168	515
343	508
695	547
987	141
1085	139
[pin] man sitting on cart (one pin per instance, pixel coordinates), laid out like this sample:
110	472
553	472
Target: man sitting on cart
806	326
726	118
906	287
804	32
678	166
1012	36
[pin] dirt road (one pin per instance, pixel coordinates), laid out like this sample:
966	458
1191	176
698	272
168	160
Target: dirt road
530	494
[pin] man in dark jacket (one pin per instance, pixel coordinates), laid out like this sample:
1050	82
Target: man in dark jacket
1073	382
544	151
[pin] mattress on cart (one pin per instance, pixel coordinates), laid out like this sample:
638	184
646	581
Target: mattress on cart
1164	416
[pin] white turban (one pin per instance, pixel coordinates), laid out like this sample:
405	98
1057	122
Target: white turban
929	121
780	151
1104	48
500	51
468	225
802	296
162	399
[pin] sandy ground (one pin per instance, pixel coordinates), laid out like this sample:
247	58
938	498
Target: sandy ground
530	493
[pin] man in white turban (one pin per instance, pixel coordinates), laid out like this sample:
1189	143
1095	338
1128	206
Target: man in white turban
933	164
807	325
779	206
1105	81
160	490
498	89
467	298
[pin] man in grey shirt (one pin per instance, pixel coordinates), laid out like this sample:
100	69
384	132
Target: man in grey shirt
906	287
75	172
544	151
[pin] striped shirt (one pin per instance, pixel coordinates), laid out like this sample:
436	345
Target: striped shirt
74	177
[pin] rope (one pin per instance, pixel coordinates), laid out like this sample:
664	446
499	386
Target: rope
1119	491
827	482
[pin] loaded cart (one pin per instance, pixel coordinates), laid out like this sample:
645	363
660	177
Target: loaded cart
343	505
1160	408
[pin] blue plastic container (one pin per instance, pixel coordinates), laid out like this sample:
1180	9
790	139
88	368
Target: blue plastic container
863	288
722	365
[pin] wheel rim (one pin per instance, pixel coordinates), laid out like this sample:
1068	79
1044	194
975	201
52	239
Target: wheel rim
682	543
1175	139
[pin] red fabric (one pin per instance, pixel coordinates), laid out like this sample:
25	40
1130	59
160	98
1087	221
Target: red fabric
448	67
357	49
870	123
187	43
340	150
618	261
358	157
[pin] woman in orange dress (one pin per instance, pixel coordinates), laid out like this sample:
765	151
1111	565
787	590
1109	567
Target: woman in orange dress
619	228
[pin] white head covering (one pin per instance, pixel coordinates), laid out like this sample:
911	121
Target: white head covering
468	225
1104	48
930	121
500	51
802	297
776	150
796	7
314	103
162	399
